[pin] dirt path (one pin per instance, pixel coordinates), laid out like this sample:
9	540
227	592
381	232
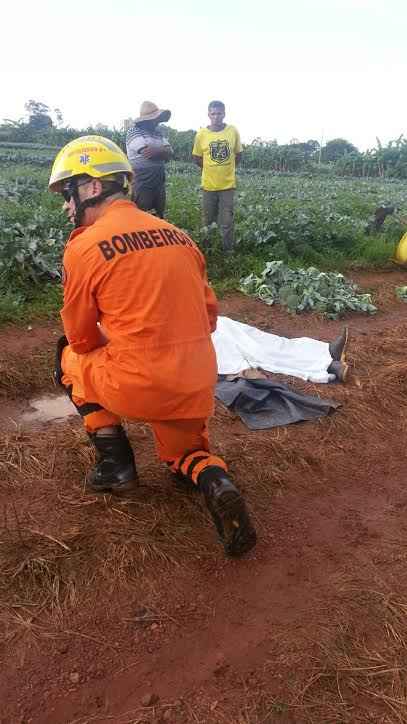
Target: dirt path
126	611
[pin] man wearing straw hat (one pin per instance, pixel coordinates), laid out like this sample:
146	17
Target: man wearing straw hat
148	151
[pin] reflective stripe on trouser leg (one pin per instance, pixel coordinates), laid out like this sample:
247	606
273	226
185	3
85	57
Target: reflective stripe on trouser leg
193	463
94	415
184	446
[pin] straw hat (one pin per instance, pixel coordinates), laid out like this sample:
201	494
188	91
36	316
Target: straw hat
150	112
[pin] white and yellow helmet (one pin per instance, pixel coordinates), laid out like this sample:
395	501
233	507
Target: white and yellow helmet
93	156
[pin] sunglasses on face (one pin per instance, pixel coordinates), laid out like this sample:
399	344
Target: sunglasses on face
69	190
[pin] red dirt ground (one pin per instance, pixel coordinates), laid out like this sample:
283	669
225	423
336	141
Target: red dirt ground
125	611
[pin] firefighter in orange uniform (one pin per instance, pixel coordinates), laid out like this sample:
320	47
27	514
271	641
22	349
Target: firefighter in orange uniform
138	314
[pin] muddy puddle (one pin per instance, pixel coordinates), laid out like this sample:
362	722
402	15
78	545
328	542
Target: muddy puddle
37	411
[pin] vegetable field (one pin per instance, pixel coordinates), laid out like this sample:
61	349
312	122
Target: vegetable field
301	219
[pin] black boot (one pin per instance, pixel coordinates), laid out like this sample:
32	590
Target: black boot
228	511
115	469
338	345
339	369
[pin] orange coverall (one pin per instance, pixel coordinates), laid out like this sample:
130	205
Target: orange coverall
145	282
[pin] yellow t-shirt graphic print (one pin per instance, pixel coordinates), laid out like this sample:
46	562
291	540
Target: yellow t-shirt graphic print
218	150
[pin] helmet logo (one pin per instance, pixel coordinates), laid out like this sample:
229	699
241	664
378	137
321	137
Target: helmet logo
84	159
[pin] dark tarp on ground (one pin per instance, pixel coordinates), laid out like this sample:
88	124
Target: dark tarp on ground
261	404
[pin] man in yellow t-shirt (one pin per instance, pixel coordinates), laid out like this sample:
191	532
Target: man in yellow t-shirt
217	151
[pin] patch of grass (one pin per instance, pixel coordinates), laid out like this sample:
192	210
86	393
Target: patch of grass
45	303
23	306
373	251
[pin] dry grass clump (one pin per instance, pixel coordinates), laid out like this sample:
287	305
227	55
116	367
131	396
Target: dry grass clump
158	713
357	668
37	574
354	672
21	458
21	376
57	539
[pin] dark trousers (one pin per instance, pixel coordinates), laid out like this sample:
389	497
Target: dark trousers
218	207
150	199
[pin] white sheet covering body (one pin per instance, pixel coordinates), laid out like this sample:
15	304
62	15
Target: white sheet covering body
239	346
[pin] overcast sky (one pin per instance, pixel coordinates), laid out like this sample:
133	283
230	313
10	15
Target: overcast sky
285	69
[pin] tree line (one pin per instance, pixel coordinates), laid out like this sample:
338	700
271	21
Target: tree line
338	156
